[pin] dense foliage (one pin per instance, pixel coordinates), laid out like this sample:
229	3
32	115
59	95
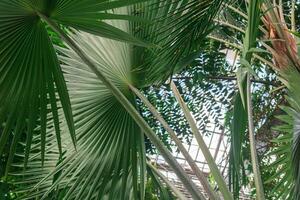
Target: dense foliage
71	125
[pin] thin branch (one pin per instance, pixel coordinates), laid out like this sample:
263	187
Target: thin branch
226	42
293	20
230	78
229	25
244	15
236	10
239	47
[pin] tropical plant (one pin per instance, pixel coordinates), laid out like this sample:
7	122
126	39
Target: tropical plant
72	109
107	159
286	64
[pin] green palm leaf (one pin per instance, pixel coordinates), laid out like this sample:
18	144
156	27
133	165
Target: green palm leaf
282	164
178	29
288	145
291	78
241	114
296	156
109	162
88	16
31	79
110	143
163	191
25	180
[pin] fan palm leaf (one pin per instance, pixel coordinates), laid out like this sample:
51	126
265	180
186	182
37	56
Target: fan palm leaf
31	78
287	60
109	161
282	165
109	158
291	78
32	82
178	29
284	51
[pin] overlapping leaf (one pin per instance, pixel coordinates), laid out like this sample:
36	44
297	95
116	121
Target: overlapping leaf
282	165
109	159
178	30
240	117
88	16
31	81
291	78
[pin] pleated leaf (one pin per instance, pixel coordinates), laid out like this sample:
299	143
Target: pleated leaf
287	150
31	81
240	117
291	78
89	16
282	165
109	161
178	29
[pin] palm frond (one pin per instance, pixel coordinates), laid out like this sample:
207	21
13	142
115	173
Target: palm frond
163	191
109	162
287	60
242	115
178	29
25	179
89	16
114	166
291	78
31	81
296	155
238	129
282	165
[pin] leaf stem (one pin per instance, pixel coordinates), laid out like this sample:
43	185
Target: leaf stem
179	144
293	20
254	159
210	160
177	193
